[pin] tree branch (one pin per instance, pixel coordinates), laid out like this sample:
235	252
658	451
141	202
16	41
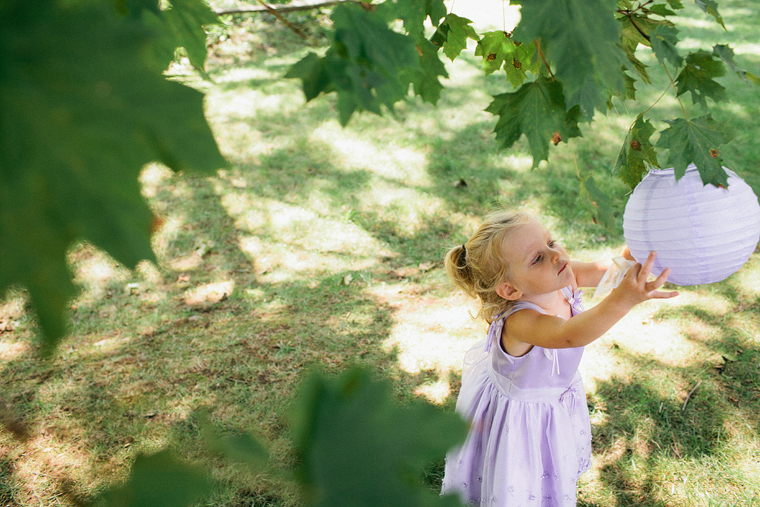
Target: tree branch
294	6
274	12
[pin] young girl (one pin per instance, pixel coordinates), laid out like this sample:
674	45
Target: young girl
530	437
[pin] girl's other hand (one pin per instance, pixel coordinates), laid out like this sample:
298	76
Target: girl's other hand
635	288
627	253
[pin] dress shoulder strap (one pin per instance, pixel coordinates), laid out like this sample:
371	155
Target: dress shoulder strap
497	326
494	331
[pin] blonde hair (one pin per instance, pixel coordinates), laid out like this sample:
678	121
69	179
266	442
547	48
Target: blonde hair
477	267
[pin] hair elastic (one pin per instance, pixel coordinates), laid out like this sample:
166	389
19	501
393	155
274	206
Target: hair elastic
463	258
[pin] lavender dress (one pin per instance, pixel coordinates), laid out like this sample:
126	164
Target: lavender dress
530	436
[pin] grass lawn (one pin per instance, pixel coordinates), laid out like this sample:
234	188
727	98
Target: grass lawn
322	245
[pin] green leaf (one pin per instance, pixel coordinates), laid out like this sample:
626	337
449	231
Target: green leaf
158	480
241	447
76	127
662	10
581	38
426	83
711	8
675	4
135	8
696	141
312	72
726	54
497	49
601	202
636	29
367	64
697	77
184	23
355	446
413	13
181	25
452	35
538	111
637	154
630	87
638	66
664	39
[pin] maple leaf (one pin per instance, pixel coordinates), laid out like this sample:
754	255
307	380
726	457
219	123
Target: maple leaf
662	10
637	154
180	25
452	35
582	39
426	83
711	8
697	77
601	202
183	27
413	13
341	425
696	141
635	29
312	71
726	54
76	127
158	480
630	88
536	110
637	65
497	49
675	4
367	64
664	39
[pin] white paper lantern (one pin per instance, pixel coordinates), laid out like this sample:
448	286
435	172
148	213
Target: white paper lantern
703	233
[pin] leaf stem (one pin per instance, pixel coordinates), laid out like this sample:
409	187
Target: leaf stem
650	107
538	47
674	88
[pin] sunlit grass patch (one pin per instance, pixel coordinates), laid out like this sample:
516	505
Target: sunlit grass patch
323	246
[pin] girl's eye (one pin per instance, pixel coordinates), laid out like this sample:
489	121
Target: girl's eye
538	259
551	243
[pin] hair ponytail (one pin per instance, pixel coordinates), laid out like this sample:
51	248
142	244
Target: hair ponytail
457	269
477	266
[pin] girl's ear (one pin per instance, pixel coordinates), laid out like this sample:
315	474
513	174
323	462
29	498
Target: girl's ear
508	292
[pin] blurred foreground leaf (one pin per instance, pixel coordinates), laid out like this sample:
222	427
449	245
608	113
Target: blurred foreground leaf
158	480
82	110
182	26
355	446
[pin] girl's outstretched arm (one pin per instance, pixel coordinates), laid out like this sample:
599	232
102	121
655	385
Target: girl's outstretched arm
589	274
535	328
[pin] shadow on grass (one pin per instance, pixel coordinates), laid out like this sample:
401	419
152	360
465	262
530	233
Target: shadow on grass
144	361
660	414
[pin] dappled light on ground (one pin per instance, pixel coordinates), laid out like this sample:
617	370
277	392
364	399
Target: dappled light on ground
322	246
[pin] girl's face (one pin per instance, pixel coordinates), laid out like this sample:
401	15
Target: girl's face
537	264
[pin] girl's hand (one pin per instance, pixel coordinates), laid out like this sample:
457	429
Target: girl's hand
635	288
627	253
